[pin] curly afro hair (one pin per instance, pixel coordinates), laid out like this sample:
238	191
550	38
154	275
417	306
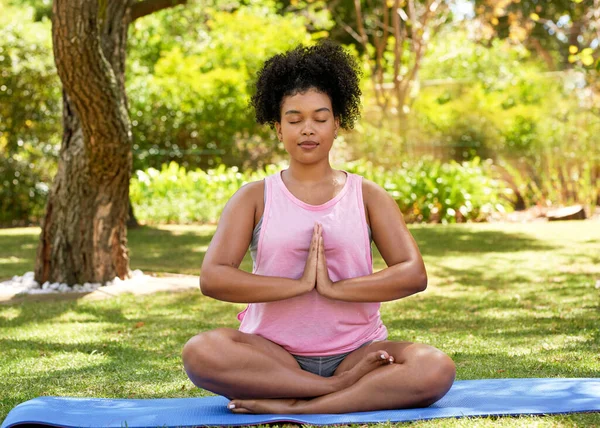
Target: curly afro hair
325	67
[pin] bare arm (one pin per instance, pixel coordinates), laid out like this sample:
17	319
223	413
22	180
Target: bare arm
405	274
221	277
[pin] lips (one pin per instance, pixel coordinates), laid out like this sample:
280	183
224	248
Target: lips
308	144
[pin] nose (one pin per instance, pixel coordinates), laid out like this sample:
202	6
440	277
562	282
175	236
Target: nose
307	130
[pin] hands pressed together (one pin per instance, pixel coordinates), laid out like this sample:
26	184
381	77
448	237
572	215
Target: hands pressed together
315	272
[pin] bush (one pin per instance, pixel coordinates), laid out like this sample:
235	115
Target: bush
432	191
174	195
428	191
30	114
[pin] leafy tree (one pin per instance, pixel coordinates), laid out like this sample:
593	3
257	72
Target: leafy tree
563	31
193	108
393	35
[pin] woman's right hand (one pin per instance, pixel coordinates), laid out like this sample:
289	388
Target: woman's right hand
309	277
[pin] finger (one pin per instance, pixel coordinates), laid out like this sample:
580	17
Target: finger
321	249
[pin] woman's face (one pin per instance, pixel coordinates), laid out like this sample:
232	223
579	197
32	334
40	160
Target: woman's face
307	126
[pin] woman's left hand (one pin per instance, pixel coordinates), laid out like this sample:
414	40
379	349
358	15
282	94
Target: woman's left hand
324	283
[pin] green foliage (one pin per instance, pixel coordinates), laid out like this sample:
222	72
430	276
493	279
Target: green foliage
494	102
22	189
194	106
29	114
562	166
431	191
427	191
41	8
453	54
174	195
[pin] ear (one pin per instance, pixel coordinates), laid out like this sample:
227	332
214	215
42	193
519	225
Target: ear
278	131
337	123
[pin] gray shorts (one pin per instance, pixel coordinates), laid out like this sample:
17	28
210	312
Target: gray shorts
322	366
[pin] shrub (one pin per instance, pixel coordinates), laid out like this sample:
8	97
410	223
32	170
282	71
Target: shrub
432	191
428	191
30	114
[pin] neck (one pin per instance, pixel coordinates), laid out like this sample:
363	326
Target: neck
309	173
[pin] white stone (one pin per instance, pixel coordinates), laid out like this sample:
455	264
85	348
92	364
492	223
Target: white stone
27	284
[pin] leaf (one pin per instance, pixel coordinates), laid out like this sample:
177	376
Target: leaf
587	60
535	17
573	49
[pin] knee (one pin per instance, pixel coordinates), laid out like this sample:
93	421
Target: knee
438	373
200	354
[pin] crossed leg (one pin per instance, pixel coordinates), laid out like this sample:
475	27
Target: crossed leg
261	377
239	365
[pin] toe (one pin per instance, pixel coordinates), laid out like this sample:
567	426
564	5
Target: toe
381	356
238	406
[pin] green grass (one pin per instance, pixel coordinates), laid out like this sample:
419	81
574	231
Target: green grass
504	301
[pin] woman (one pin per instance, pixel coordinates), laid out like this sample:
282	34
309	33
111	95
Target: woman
311	339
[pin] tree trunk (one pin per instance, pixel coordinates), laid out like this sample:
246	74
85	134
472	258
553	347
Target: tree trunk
83	235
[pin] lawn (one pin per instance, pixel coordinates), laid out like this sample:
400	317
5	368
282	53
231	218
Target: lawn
504	301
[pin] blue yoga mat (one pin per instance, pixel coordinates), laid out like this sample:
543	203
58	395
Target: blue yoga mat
466	398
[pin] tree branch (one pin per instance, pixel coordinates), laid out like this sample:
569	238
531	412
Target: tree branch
349	30
146	7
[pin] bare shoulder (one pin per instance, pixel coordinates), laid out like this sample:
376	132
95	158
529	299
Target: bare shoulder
252	189
249	194
234	231
373	193
247	202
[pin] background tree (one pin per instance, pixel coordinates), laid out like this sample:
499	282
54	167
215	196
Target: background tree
83	235
563	32
394	35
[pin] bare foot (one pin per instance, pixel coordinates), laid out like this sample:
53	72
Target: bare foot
368	363
265	405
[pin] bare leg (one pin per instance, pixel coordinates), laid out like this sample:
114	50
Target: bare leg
421	376
235	364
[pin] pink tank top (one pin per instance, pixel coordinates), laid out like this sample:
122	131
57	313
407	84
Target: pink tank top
311	324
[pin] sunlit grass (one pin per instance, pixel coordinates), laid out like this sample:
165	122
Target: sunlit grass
504	301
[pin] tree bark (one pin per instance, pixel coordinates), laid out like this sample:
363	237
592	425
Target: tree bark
84	237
